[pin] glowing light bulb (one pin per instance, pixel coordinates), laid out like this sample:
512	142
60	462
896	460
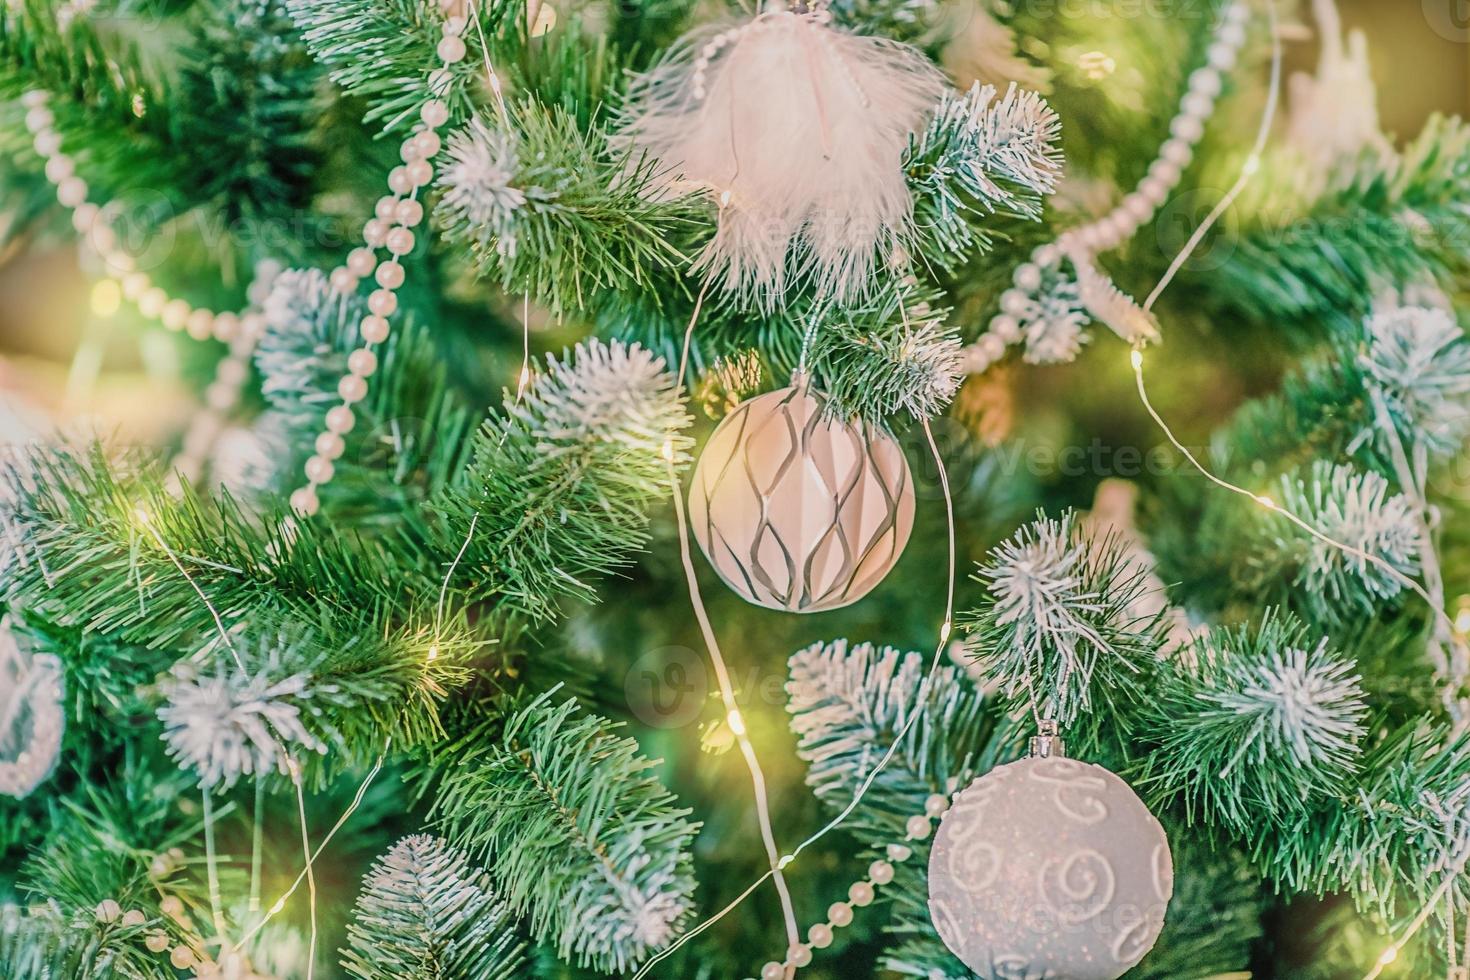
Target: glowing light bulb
106	297
1265	501
737	722
1389	955
433	651
1136	356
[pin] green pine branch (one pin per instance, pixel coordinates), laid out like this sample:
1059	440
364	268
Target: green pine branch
425	914
577	834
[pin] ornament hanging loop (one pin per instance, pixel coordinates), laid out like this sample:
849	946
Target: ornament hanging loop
1047	743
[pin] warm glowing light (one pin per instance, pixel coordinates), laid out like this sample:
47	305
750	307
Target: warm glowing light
434	651
1265	502
668	450
524	379
725	199
1136	356
785	862
106	297
276	908
737	723
142	515
1097	65
1389	955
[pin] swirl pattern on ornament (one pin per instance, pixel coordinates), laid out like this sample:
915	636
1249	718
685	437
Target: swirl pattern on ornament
1049	867
1078	887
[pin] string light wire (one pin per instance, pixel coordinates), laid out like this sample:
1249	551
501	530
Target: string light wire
1249	169
146	520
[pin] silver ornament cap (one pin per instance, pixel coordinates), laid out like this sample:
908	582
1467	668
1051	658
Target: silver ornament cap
797	510
1049	867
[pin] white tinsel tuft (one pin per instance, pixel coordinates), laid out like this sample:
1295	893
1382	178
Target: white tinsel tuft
1109	305
1306	703
1358	510
477	181
604	389
798	130
1418	359
232	725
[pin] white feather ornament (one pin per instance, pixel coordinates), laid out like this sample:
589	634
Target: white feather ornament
798	130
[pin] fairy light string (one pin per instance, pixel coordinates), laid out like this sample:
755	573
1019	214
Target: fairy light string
1434	601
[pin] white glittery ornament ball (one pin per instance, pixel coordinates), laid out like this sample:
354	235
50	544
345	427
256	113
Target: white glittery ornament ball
1049	867
797	510
31	717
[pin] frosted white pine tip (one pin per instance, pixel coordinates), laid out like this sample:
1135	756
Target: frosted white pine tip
478	184
1015	137
631	917
840	697
1308	703
1419	359
604	390
1447	831
1358	509
231	725
294	299
1037	580
1053	323
935	361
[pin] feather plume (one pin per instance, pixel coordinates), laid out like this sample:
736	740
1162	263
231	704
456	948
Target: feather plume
798	131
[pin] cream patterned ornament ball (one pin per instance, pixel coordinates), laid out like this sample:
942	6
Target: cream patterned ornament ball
797	510
1049	867
31	717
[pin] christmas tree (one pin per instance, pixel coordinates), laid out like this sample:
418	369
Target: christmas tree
920	488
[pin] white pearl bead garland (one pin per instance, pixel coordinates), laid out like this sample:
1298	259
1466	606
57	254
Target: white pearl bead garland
861	894
91	223
1135	210
395	216
242	333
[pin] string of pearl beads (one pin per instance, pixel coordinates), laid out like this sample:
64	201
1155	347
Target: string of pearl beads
230	375
92	223
1137	208
861	894
391	228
